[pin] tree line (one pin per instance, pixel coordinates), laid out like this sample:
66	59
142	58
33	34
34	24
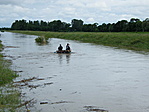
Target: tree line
134	25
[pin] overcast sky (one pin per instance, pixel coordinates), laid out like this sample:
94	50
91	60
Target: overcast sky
90	11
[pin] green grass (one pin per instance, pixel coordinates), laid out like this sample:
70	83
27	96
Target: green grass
1	46
6	74
9	97
126	40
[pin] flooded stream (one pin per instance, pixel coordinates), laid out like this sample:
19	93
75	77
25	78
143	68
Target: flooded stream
92	78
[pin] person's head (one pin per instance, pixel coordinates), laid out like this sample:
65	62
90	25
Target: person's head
67	43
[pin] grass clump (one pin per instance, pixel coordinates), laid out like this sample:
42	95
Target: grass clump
1	46
42	40
9	99
6	75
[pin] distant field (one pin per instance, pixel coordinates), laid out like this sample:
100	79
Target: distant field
127	40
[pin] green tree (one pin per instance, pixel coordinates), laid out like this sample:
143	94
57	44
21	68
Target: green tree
65	26
43	25
55	25
121	26
145	25
30	25
103	28
76	25
90	27
36	25
134	25
110	27
19	25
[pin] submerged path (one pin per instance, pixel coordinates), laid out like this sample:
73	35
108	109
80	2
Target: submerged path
93	78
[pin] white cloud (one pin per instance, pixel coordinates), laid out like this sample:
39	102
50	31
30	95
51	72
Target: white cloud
90	11
90	20
101	5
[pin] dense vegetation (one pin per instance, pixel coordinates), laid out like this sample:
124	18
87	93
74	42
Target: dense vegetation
9	99
132	40
134	25
6	75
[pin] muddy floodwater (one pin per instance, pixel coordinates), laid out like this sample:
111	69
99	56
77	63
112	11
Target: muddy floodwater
92	78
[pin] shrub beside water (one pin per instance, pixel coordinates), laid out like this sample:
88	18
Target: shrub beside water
42	39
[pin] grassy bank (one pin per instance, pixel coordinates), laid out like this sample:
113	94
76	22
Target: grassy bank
9	99
9	96
127	40
6	74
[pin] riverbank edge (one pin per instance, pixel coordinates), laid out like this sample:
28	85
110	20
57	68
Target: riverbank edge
6	74
9	96
138	41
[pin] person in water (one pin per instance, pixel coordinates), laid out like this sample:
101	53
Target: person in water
60	48
68	48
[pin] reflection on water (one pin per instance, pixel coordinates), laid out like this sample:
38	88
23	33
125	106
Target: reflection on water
68	58
64	57
101	78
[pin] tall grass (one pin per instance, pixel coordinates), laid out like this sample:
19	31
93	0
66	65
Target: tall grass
9	97
6	74
126	40
134	41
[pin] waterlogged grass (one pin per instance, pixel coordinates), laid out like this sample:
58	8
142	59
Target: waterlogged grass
126	40
6	74
9	97
42	39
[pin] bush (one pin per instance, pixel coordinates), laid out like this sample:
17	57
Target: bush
41	39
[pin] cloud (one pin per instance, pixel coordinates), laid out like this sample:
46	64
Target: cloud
90	11
8	2
90	20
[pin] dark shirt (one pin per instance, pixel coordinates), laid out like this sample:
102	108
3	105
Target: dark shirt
60	48
67	47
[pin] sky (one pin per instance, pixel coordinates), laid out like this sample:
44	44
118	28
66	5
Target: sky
90	11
